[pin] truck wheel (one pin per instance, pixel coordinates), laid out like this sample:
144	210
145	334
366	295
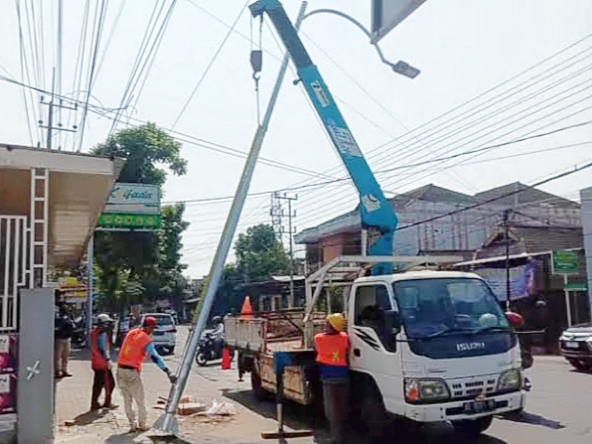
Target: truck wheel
473	428
259	392
373	414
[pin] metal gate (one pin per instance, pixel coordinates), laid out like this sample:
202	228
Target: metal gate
13	268
23	250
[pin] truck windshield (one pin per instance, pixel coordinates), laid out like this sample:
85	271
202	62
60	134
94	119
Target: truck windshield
433	307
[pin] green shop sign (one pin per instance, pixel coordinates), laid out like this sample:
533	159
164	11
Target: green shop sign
575	286
566	262
130	221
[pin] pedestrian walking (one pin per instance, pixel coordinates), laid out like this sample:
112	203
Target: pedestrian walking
100	350
332	348
137	345
64	330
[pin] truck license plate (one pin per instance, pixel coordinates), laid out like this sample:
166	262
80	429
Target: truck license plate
572	345
479	406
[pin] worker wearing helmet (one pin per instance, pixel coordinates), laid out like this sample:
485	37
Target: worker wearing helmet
332	347
101	363
136	346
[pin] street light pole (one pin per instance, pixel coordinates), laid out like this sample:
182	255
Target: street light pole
507	245
167	422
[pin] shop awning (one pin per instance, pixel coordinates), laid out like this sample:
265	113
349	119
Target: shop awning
78	188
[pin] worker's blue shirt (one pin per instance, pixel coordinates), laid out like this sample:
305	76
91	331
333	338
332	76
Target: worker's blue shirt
156	358
102	344
333	372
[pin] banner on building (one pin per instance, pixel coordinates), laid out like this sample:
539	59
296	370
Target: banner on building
74	290
522	281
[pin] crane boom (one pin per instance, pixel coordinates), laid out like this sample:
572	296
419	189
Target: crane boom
376	213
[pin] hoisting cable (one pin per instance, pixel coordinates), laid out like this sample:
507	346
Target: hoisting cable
256	64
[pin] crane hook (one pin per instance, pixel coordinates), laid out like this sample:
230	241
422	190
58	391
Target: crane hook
256	61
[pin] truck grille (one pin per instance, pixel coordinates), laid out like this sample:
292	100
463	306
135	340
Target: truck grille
470	388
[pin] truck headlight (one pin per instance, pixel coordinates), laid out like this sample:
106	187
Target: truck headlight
510	380
422	390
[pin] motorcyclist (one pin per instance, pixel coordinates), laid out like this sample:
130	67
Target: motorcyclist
217	335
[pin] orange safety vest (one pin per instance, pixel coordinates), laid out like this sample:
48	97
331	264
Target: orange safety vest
132	352
97	359
332	349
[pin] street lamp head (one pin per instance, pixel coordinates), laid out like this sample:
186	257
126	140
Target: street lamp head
405	69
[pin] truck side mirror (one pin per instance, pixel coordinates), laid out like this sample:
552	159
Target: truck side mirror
393	321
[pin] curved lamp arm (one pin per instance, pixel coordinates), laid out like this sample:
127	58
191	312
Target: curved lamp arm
400	67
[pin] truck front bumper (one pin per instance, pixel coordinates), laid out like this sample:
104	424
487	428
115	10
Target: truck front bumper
456	410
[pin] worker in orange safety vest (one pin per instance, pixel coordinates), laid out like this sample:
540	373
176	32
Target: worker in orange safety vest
100	352
332	347
137	345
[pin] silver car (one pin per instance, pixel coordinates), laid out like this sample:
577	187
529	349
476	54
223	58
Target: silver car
165	333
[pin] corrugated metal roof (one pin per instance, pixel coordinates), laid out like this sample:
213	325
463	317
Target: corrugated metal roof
526	239
350	221
525	195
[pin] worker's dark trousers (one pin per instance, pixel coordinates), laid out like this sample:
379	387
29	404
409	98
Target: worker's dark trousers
336	401
103	380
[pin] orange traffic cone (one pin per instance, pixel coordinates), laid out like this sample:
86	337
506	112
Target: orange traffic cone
225	359
246	309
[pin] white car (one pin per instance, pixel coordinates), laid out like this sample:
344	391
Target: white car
165	333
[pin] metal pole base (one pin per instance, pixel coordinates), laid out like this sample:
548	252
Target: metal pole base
167	423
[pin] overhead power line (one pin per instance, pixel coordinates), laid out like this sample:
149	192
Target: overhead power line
98	32
210	64
149	61
143	62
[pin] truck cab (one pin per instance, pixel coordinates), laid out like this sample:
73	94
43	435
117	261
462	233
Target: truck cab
433	346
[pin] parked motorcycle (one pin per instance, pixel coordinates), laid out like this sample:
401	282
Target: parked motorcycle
79	335
207	351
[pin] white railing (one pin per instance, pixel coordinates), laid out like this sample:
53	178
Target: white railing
13	267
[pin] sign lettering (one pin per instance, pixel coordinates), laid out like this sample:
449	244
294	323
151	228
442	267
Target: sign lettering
468	346
344	141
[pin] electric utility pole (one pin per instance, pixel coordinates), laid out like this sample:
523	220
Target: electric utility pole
507	245
277	213
50	110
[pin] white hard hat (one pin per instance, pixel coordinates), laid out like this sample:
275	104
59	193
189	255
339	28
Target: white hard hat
104	318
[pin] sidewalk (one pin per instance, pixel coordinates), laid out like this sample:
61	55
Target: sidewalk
74	424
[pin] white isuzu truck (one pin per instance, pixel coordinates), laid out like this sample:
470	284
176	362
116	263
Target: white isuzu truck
429	346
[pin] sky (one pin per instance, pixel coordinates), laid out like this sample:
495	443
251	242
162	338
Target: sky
492	72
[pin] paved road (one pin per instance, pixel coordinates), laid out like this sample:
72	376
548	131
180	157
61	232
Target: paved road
559	407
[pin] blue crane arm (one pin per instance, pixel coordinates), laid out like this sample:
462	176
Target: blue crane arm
376	213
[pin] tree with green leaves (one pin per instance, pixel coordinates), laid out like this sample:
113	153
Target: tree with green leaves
260	254
138	257
170	269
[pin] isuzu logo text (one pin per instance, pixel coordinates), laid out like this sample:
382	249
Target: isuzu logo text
468	346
